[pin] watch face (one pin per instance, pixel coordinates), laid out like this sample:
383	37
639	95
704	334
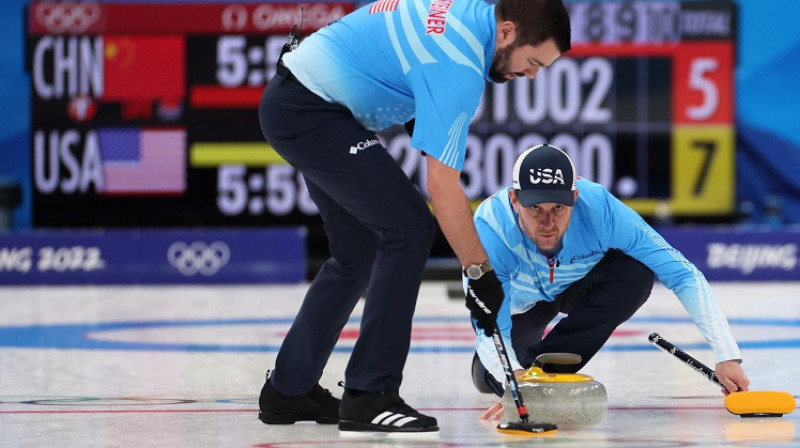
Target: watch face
474	272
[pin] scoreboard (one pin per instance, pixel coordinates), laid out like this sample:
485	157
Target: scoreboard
669	109
145	114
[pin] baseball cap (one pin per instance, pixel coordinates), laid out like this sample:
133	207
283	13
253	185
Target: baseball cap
544	173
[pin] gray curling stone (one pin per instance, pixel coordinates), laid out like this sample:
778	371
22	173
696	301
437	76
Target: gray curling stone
570	400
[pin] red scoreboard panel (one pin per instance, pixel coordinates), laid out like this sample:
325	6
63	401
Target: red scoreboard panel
146	114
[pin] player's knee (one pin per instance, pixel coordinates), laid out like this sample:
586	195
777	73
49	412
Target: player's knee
356	257
421	227
639	279
428	225
644	279
630	278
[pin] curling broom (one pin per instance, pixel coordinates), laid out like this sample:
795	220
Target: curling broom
764	403
522	427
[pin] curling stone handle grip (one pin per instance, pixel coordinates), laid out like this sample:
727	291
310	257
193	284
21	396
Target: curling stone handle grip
557	358
701	368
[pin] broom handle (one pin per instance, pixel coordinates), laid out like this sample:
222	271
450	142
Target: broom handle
512	380
701	368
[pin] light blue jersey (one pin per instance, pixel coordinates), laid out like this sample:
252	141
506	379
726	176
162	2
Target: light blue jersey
599	222
394	60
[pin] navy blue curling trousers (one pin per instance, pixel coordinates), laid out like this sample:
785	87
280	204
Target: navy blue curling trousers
380	233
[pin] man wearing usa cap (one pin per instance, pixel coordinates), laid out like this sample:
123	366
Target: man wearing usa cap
559	243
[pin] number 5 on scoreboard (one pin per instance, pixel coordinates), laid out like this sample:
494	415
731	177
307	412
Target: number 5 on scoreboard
703	170
703	83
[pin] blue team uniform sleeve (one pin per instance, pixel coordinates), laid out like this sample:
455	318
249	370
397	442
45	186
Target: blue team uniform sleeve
446	97
503	262
631	234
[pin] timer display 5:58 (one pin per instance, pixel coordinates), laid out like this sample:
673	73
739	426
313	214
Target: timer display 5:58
277	190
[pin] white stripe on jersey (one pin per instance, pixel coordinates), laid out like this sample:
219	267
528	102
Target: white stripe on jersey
470	38
451	149
413	39
396	43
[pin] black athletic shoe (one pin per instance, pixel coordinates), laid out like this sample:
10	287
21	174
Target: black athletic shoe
278	409
383	412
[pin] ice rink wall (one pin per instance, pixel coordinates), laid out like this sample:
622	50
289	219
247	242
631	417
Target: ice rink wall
153	257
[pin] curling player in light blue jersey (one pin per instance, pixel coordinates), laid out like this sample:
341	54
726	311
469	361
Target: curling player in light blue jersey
421	63
561	244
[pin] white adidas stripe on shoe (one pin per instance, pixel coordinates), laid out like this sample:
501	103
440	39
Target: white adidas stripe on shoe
391	418
382	412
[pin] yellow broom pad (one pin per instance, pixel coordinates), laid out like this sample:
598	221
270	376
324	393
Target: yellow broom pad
762	403
521	429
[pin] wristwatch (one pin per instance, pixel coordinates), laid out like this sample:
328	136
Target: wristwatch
476	271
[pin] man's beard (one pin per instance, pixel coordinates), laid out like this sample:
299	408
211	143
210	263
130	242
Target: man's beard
499	68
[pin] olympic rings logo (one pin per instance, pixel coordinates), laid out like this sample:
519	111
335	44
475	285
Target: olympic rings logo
71	17
234	17
198	257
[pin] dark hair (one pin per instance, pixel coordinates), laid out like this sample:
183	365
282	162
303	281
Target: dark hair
537	21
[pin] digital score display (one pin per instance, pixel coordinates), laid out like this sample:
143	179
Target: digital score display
145	115
671	105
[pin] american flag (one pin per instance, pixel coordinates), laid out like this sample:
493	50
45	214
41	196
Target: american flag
383	6
143	161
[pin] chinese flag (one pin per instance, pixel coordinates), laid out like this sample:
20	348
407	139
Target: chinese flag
144	67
